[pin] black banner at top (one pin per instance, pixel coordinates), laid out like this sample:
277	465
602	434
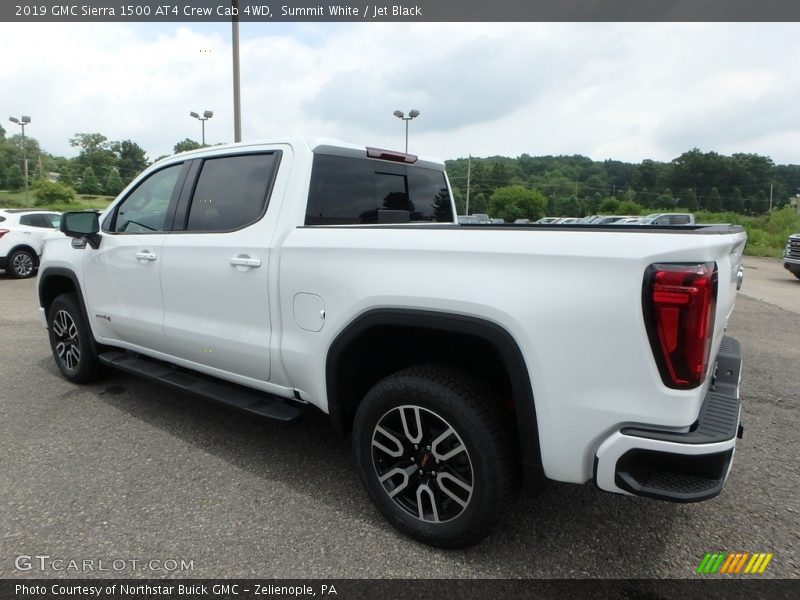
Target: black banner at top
267	11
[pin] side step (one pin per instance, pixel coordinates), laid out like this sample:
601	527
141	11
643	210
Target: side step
252	401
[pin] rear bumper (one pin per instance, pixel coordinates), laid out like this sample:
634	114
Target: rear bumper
679	466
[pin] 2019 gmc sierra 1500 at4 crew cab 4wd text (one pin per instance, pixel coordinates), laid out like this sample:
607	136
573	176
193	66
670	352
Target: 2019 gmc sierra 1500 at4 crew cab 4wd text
462	360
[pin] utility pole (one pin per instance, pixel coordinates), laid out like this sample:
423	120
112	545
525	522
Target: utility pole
469	173
770	197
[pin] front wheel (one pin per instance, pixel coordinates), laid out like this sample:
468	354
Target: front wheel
435	452
70	340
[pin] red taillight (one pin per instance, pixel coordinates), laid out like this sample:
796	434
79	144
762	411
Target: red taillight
679	303
3	232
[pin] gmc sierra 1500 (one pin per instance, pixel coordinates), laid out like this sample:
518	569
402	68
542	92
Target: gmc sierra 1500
459	358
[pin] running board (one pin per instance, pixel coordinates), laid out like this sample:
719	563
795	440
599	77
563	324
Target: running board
223	392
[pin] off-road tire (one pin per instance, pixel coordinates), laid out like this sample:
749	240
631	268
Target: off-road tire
442	396
71	341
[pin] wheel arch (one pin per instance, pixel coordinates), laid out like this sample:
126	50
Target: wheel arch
54	281
423	324
28	248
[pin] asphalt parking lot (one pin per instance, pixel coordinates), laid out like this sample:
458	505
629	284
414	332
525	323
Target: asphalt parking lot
125	469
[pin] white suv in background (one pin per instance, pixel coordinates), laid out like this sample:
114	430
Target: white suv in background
22	232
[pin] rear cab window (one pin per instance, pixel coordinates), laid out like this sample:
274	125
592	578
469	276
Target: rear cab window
360	191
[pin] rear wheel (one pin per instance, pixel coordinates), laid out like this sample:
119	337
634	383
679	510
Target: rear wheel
21	264
70	340
435	452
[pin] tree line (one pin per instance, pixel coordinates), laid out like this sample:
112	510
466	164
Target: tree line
574	186
102	166
522	187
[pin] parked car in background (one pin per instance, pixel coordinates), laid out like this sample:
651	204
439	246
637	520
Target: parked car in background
468	220
498	221
668	219
546	221
482	218
628	221
22	231
791	256
522	221
569	220
608	219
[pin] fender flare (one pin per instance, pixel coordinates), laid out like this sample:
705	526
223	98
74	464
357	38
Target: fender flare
494	334
49	273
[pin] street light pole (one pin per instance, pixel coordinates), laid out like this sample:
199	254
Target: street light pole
411	115
237	93
22	121
206	116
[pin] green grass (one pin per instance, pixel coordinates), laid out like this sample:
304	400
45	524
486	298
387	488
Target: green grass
17	200
766	235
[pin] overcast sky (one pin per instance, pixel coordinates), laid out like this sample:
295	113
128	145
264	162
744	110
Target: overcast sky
622	91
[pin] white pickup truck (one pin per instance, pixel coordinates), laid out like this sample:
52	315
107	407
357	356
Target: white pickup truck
461	359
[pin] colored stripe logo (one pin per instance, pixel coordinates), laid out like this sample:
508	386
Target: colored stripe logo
734	563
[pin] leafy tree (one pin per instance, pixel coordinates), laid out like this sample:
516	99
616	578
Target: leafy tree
516	202
714	201
478	203
665	200
38	173
14	179
689	200
609	206
52	192
480	184
735	202
89	184
3	174
629	207
95	153
131	159
760	203
113	184
186	145
568	207
646	175
499	175
66	175
593	203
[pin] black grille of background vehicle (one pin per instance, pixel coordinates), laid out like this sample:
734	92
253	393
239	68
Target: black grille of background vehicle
793	248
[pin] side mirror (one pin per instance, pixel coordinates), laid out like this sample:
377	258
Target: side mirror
83	224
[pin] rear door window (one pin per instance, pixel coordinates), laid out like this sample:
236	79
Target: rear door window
34	220
232	192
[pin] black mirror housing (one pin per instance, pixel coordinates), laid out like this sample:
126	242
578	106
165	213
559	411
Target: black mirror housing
82	224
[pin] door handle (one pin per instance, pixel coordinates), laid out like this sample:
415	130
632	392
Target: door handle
145	255
245	261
